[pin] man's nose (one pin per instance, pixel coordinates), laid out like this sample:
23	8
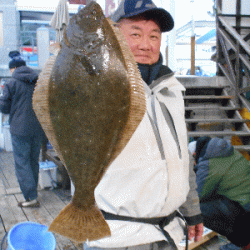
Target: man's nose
144	43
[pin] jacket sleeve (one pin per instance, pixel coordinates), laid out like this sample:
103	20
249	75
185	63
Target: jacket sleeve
191	208
5	100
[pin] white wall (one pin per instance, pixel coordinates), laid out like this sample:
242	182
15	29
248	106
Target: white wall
229	7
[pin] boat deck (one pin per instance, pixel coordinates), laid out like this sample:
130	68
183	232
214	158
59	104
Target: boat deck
52	201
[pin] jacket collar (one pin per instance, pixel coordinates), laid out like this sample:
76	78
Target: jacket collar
166	83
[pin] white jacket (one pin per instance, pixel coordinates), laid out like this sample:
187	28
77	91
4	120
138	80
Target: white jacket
139	183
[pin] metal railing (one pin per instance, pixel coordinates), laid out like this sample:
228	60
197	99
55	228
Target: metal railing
233	50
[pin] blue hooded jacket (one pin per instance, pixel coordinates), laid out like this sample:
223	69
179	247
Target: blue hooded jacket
17	102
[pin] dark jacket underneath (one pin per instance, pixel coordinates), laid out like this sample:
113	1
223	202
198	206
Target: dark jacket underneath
17	102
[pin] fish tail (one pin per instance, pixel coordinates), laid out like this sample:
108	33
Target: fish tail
79	225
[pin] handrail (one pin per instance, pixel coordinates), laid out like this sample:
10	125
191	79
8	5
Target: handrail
233	50
245	46
229	40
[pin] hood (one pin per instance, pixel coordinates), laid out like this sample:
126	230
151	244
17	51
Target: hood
25	74
218	147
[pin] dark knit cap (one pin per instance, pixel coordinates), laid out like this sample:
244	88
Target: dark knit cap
201	146
16	61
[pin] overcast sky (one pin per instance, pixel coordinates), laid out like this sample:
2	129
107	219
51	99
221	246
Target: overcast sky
183	8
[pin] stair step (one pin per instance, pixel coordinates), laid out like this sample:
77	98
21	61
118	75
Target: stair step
217	120
217	133
206	87
208	97
204	90
206	108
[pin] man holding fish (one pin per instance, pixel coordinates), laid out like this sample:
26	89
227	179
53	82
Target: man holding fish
150	178
123	140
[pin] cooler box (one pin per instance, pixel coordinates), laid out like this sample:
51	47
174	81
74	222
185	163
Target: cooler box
47	174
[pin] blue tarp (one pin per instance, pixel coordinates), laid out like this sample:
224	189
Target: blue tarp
207	36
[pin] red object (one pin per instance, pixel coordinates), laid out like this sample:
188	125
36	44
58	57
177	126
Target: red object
77	2
30	49
246	247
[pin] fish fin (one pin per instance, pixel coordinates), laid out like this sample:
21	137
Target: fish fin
80	225
137	91
40	103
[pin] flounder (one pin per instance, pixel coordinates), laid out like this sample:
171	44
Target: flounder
89	100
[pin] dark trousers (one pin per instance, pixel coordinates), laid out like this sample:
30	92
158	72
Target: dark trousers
227	218
26	150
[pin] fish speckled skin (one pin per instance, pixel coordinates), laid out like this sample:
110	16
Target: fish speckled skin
89	100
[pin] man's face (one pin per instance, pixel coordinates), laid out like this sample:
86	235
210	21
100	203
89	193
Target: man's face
144	39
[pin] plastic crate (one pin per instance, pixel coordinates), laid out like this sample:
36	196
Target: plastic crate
48	174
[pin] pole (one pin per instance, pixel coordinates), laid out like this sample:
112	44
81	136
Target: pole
192	72
42	46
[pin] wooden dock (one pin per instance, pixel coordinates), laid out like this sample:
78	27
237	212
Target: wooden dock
52	201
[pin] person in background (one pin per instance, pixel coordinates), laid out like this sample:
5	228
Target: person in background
223	177
26	132
143	190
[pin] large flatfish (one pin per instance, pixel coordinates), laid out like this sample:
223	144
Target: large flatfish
89	100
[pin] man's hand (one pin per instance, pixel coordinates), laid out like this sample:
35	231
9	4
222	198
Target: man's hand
195	232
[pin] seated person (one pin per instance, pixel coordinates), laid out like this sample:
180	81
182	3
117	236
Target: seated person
223	185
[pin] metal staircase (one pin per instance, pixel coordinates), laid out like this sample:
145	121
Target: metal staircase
210	110
214	105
